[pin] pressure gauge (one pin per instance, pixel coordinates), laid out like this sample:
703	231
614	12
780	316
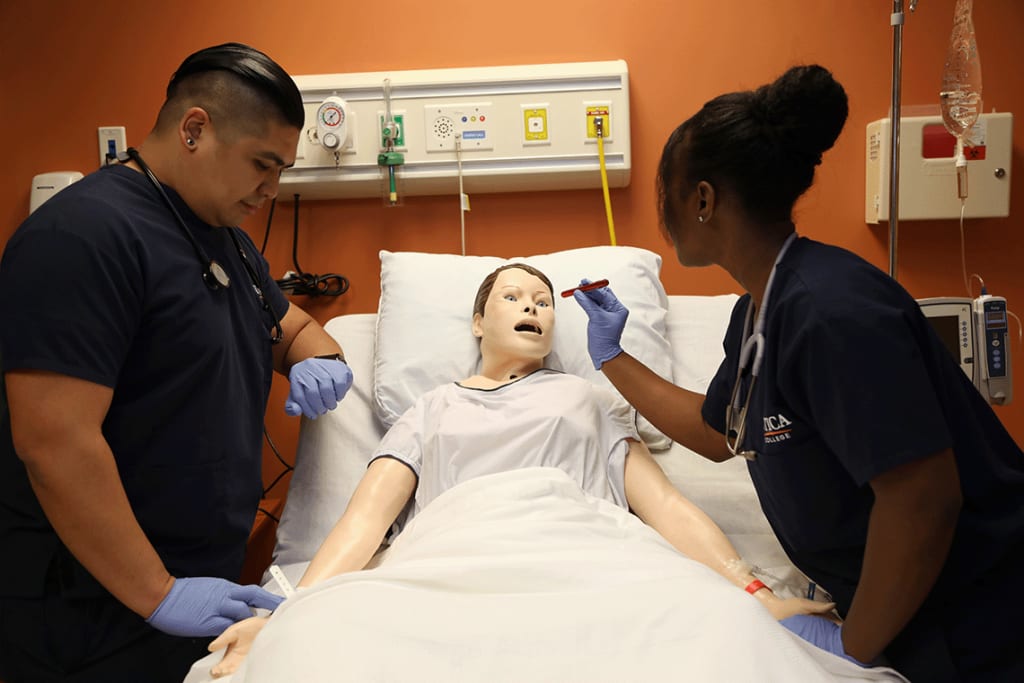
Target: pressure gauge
332	123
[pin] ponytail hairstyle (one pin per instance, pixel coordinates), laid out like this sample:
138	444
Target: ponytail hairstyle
759	145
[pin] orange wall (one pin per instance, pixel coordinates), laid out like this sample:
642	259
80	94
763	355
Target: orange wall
61	81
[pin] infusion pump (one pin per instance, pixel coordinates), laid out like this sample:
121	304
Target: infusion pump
976	332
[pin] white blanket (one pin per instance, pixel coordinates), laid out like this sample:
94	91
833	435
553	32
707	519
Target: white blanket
520	576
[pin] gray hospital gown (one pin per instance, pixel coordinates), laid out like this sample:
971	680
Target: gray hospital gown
546	419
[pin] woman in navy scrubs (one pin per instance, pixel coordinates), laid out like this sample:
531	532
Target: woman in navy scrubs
886	476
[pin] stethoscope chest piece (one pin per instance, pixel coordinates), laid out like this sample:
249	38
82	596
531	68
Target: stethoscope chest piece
216	277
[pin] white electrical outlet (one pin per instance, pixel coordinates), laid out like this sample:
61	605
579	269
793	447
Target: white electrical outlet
112	140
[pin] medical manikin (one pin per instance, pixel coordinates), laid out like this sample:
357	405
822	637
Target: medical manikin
548	419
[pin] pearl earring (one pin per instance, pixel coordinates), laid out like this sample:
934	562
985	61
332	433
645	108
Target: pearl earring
700	219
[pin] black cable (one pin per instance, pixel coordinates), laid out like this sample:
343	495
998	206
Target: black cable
308	284
266	233
287	468
264	511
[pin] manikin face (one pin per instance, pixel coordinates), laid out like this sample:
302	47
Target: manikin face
235	176
519	318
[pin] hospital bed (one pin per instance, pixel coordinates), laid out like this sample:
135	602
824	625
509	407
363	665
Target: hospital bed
445	610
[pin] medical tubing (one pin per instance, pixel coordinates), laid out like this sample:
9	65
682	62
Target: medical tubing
599	129
462	195
308	284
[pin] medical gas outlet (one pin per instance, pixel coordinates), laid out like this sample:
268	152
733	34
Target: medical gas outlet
535	124
332	125
602	111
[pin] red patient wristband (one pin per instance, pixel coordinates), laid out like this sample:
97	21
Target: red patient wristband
755	585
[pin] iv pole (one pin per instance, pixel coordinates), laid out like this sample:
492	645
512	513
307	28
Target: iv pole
896	20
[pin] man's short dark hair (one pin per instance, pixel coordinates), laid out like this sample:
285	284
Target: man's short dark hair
234	83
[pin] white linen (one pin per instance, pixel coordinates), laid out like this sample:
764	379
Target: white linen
521	576
545	419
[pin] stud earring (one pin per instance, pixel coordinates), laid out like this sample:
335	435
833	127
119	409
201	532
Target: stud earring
700	219
190	142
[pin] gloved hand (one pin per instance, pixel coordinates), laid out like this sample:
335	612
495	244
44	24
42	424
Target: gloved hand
607	321
204	606
820	632
317	384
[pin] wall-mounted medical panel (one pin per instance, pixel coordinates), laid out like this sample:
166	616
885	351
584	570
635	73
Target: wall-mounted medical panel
509	129
927	169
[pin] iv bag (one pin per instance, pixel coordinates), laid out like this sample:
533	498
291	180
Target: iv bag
961	81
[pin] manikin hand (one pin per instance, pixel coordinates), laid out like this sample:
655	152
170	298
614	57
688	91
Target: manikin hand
317	384
238	640
781	608
607	321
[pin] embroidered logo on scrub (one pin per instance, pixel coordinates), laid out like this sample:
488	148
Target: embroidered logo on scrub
777	428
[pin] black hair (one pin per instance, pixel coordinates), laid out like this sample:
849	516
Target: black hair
233	80
761	145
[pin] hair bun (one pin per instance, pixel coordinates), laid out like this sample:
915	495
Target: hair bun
806	106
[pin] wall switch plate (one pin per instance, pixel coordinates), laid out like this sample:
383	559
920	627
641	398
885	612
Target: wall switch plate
112	141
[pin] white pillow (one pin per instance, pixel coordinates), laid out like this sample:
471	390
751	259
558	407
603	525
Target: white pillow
424	336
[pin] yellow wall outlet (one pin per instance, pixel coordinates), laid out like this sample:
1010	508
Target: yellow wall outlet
535	124
604	111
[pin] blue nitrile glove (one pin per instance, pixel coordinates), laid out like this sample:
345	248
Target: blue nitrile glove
821	632
317	384
204	606
607	321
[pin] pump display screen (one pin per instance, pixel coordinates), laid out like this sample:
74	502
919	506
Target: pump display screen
995	318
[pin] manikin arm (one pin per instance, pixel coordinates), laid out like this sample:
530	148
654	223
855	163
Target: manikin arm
688	528
383	491
381	495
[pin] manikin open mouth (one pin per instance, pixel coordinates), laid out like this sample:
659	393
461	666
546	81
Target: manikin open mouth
528	327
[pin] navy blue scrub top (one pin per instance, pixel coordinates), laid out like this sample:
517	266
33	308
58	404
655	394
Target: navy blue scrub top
101	283
854	383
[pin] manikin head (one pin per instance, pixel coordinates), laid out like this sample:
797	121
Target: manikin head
514	316
229	126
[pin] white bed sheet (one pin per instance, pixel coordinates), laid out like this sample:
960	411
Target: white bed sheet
521	576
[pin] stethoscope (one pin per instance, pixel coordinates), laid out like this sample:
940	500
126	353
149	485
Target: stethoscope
214	274
752	346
